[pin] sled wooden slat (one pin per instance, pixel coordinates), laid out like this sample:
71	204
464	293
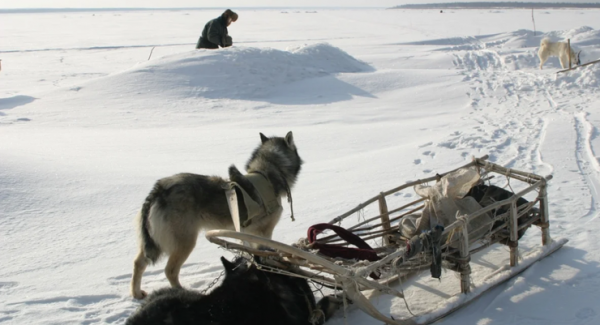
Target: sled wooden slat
508	172
544	215
236	246
385	218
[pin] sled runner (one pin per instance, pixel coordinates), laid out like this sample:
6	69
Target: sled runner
458	231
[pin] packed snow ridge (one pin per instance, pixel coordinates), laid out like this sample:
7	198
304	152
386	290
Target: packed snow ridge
234	73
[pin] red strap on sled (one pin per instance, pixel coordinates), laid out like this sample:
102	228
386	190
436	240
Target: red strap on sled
363	252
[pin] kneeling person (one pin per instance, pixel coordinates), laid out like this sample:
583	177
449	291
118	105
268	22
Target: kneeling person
215	32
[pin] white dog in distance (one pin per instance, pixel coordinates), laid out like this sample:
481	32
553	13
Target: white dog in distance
559	49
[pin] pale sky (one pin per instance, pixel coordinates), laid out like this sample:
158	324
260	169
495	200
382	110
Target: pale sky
11	4
7	4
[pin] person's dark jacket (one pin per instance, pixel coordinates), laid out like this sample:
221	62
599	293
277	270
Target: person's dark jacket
214	35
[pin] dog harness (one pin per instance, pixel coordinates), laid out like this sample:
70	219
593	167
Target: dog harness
270	201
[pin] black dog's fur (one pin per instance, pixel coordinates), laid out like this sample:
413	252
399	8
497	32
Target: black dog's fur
488	194
247	296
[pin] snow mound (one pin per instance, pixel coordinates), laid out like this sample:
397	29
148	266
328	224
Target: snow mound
519	39
573	34
587	37
234	73
583	78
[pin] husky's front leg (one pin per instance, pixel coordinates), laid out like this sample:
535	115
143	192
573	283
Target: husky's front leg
564	61
542	60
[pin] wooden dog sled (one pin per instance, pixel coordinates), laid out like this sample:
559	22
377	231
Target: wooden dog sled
474	252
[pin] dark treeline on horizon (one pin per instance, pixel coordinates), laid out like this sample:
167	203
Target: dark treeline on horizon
503	5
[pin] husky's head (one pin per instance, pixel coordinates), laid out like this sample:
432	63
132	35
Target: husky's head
240	268
277	158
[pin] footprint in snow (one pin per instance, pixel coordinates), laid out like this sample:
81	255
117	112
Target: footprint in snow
585	313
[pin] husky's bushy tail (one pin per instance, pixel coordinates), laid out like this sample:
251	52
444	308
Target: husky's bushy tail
151	249
545	41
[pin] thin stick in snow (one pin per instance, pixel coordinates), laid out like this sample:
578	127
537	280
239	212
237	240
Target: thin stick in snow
579	66
569	51
533	20
149	56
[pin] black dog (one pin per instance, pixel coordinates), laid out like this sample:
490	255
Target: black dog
247	296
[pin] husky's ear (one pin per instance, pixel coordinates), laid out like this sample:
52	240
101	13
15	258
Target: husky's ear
227	265
263	138
289	139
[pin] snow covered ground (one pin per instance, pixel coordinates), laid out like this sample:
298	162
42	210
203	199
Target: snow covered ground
375	98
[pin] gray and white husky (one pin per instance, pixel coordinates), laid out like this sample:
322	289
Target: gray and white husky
559	49
180	206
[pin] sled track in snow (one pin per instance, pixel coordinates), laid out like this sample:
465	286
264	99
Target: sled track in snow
588	165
